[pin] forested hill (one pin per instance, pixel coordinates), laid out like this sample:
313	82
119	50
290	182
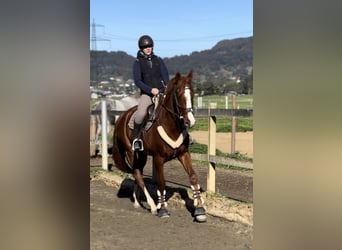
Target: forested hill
226	61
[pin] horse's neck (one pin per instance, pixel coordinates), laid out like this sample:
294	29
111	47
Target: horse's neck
168	109
167	117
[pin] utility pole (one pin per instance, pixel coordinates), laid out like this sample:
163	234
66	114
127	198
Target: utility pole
94	38
94	67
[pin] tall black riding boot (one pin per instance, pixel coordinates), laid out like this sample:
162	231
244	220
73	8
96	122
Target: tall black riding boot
137	143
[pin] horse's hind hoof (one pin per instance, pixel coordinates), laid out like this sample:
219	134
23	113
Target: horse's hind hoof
200	215
163	213
154	212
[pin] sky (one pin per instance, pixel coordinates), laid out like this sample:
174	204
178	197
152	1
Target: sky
177	27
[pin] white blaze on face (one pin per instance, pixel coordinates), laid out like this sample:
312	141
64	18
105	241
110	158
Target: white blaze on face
189	107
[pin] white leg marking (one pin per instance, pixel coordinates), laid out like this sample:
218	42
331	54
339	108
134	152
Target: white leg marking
150	201
189	107
136	203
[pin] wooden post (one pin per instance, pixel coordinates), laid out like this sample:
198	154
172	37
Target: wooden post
92	134
232	148
211	151
104	135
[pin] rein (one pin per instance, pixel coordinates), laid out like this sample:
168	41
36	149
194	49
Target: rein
182	126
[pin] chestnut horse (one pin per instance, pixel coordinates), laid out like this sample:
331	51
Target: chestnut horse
166	139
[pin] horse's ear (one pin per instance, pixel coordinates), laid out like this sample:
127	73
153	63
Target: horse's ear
178	75
190	74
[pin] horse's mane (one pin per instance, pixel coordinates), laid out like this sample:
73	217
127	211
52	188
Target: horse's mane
171	84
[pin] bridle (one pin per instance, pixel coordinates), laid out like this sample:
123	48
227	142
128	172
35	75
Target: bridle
181	124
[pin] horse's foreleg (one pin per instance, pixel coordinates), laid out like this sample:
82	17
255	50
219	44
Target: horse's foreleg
140	182
199	212
136	202
161	192
186	162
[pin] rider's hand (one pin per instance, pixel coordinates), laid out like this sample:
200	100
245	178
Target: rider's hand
155	91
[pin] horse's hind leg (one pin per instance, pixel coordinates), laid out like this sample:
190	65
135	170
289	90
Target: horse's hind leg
136	202
140	181
141	184
199	212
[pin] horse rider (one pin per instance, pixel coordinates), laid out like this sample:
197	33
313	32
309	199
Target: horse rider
150	76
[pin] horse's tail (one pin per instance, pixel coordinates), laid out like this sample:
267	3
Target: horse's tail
121	143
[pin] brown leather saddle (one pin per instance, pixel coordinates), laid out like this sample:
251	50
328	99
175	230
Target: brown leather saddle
151	113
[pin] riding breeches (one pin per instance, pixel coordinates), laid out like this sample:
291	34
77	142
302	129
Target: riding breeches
143	104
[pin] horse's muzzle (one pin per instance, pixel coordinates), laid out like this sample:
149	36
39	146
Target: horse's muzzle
191	120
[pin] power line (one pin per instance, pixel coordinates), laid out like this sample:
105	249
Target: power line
188	39
202	38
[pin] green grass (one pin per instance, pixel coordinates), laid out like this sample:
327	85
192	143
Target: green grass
224	124
92	102
95	171
203	149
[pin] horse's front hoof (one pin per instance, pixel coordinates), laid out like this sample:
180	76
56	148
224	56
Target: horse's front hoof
200	215
163	213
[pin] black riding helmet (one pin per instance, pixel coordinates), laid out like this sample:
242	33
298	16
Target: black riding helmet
145	41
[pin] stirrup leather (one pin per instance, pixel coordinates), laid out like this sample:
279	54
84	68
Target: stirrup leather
137	144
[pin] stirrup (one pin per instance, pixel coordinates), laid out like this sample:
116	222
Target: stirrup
137	144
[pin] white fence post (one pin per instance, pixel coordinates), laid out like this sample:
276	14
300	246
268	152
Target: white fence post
104	135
